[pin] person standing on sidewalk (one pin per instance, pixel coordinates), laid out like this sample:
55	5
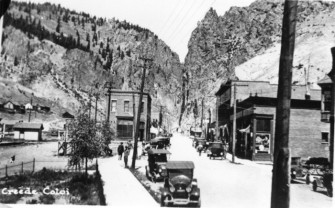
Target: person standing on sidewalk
125	157
120	150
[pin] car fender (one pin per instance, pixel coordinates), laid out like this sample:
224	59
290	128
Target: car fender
165	192
196	192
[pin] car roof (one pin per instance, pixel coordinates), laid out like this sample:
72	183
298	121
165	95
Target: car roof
180	165
158	151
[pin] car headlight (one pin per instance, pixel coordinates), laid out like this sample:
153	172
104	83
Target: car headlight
172	188
189	189
294	172
160	170
221	153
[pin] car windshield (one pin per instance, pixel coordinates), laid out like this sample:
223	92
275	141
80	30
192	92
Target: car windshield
216	145
176	172
160	158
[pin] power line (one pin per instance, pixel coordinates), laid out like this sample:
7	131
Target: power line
176	18
183	19
167	20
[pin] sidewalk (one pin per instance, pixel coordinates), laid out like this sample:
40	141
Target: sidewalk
121	188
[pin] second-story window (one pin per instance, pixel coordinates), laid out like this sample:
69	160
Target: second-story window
126	106
142	107
113	106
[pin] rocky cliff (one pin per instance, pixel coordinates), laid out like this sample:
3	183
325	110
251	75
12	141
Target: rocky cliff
244	44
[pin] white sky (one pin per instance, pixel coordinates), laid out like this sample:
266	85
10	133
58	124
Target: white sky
172	20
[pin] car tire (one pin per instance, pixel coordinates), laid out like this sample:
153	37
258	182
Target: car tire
315	186
162	201
330	191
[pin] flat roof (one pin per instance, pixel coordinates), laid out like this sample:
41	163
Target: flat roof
180	165
22	125
158	151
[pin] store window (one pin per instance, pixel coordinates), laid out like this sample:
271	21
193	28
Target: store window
263	125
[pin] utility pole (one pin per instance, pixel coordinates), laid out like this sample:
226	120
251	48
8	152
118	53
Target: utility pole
234	125
96	107
332	112
202	112
109	86
139	111
31	106
89	105
280	195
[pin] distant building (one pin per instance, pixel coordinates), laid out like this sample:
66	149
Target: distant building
255	120
28	131
8	107
6	126
124	107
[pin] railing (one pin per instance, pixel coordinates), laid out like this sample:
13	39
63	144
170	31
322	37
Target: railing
33	166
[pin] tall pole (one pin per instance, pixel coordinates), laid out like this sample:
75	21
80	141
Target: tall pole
139	113
96	107
109	92
234	125
202	112
280	196
332	112
31	106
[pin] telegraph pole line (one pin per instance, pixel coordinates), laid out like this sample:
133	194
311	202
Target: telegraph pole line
234	125
280	195
146	60
202	112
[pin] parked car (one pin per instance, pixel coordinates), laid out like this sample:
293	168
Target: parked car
316	167
156	168
298	169
195	133
160	142
216	149
324	181
180	188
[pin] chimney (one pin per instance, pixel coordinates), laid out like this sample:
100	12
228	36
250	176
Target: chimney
307	96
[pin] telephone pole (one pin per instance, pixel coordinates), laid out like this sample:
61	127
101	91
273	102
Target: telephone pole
31	106
146	60
202	112
109	86
234	125
280	195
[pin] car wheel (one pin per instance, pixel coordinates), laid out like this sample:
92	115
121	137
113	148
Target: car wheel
315	186
162	202
330	191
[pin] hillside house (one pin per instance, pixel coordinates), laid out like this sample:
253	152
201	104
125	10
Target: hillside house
28	131
8	107
255	120
123	114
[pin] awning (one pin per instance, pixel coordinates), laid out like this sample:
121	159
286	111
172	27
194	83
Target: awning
246	130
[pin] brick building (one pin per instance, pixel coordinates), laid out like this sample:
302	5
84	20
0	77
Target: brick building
255	120
124	107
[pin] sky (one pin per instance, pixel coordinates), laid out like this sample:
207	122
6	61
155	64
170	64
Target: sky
172	20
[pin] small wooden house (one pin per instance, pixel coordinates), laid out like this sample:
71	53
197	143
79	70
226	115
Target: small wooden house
9	107
28	131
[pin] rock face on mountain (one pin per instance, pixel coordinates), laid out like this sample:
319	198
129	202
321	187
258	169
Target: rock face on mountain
244	44
64	56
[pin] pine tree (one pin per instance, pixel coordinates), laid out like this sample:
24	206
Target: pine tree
58	25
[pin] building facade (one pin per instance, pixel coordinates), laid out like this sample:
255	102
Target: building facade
123	114
28	131
255	120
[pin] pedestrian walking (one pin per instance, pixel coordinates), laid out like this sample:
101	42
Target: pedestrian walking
199	148
120	150
125	157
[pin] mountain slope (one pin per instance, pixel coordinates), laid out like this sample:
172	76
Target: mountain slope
61	55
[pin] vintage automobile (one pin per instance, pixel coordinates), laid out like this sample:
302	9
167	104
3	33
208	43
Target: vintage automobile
160	142
298	169
195	133
216	149
157	159
180	188
316	167
324	181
